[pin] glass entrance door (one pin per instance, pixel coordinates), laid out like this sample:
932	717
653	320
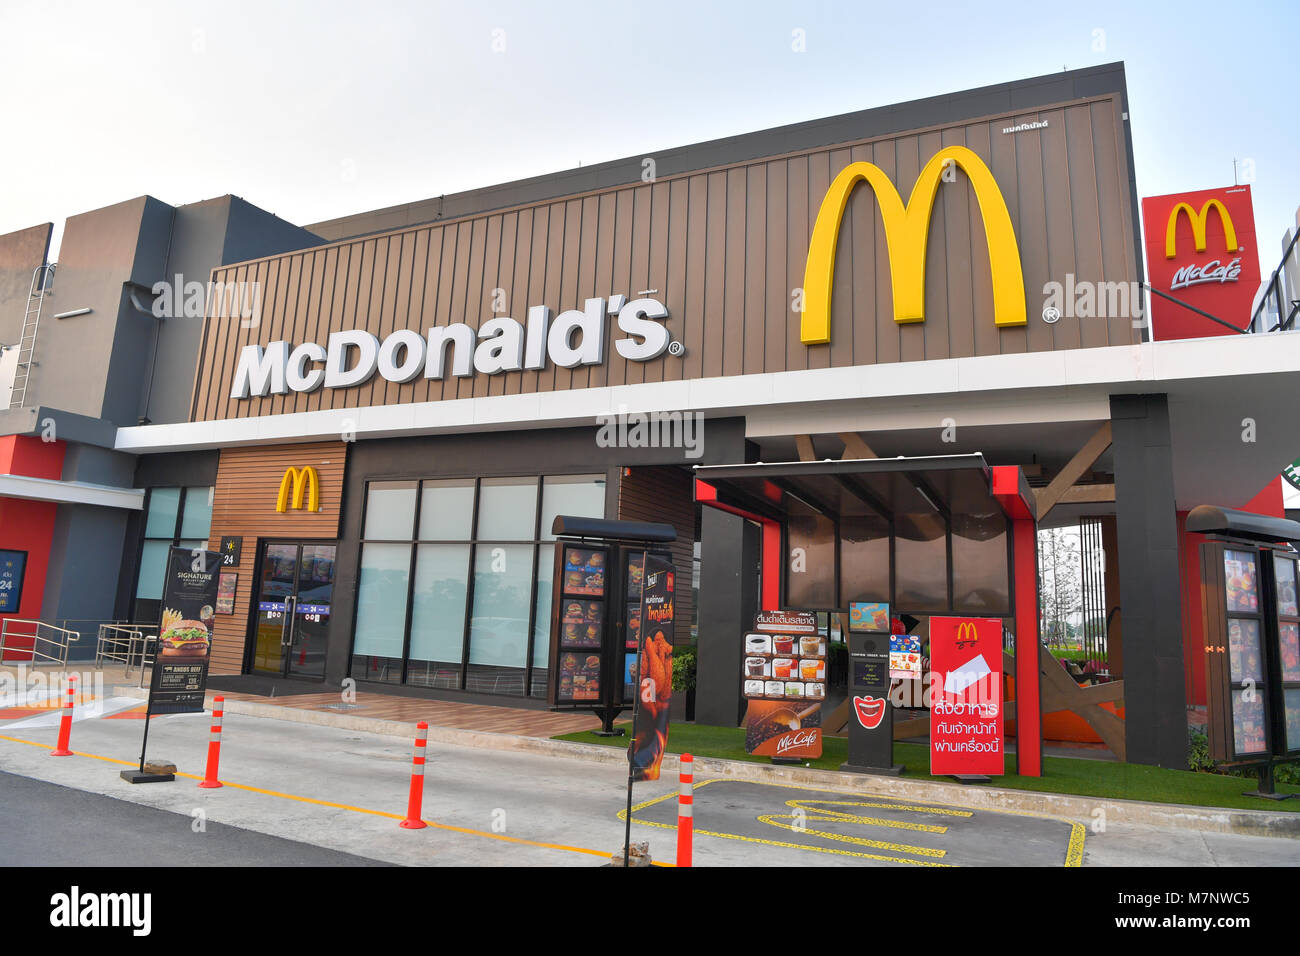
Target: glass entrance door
294	594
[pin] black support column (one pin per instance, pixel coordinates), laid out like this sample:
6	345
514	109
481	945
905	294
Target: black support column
728	600
1155	700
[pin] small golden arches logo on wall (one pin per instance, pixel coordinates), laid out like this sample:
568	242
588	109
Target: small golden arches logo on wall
299	486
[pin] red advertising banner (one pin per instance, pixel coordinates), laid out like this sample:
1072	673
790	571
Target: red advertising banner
966	707
1201	250
655	657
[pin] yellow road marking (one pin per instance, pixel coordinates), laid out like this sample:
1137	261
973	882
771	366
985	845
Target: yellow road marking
1073	854
344	806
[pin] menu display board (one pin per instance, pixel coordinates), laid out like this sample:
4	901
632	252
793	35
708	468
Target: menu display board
1252	647
864	616
13	565
226	586
966	710
189	597
583	609
784	682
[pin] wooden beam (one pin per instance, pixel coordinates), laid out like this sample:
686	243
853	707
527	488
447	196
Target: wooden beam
805	445
1086	457
855	447
1088	494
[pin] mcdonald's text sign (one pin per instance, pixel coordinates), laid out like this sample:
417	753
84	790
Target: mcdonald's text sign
1201	250
966	703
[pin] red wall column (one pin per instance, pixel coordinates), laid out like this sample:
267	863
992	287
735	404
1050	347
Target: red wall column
1029	707
29	525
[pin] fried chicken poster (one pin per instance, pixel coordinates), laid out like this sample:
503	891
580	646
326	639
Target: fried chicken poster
655	666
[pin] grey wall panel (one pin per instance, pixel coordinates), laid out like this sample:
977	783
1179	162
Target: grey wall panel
20	254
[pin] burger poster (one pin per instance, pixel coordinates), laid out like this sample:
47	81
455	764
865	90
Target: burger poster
655	678
180	673
966	710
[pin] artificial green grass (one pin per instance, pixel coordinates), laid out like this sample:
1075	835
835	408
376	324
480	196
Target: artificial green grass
1086	778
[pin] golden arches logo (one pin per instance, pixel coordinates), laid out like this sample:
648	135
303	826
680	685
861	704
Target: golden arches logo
907	230
966	631
302	483
1199	221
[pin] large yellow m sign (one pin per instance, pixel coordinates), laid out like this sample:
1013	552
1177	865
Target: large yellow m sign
907	229
301	483
1198	221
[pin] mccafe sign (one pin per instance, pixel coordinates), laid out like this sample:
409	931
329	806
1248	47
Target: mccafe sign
573	338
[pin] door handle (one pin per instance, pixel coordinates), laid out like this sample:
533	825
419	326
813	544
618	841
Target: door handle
286	633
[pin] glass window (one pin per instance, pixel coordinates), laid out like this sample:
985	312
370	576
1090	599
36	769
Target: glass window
542	619
810	564
153	568
390	510
381	601
447	510
864	557
981	582
163	505
921	560
498	639
580	495
507	509
196	522
438	614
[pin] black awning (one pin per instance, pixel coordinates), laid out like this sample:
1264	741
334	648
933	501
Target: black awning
1209	519
611	530
903	490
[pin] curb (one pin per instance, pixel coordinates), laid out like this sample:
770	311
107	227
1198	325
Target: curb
1074	808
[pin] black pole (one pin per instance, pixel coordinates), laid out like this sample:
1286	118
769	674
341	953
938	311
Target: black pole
636	707
148	710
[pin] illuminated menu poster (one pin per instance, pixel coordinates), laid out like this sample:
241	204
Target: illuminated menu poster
1242	576
584	571
904	657
1287	618
784	682
582	624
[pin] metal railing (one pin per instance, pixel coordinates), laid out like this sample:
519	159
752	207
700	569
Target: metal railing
127	644
38	632
1280	306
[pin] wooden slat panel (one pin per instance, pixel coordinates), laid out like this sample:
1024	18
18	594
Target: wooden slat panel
726	247
247	485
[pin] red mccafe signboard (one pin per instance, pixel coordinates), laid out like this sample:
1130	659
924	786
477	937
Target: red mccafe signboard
1201	250
966	706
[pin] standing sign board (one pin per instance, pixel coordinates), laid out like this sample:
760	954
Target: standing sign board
180	673
655	670
180	670
784	683
12	566
871	720
966	708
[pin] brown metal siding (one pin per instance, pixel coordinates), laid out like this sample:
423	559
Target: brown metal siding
248	483
725	248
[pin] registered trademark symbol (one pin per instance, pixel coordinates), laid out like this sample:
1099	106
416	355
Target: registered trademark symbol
1051	315
676	348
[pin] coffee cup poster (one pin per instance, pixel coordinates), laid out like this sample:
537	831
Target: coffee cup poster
784	684
180	673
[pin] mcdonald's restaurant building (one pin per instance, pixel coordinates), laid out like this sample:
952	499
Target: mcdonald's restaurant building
391	433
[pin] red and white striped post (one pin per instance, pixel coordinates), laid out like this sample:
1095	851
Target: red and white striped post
210	780
65	725
416	799
685	809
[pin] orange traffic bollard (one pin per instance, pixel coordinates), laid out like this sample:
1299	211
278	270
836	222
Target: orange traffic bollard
65	725
414	801
210	780
685	809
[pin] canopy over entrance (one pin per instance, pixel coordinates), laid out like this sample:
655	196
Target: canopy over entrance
938	535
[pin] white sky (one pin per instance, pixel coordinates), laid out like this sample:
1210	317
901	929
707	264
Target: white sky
317	110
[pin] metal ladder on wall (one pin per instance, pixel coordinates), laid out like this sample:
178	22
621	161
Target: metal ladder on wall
42	282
